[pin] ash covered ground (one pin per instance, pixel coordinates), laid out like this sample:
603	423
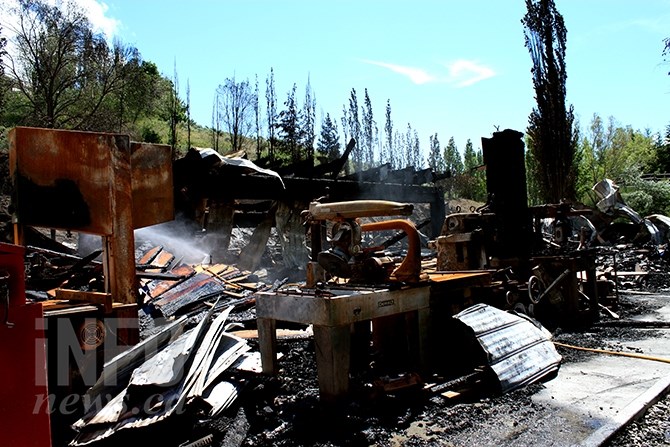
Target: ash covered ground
286	411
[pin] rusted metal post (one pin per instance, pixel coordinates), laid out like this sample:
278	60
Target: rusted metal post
120	244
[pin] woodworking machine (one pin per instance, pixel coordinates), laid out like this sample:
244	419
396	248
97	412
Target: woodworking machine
347	257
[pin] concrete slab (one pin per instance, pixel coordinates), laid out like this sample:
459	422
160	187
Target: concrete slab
589	400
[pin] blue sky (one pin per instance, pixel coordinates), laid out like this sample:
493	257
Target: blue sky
452	67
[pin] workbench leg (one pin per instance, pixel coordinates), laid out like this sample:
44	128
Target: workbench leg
332	345
267	341
423	317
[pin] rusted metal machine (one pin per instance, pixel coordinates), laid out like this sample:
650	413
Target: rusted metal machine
347	257
542	277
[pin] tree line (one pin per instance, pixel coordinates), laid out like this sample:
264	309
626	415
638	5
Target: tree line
562	164
61	74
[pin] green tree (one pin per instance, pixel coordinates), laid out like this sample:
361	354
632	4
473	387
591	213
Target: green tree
143	88
309	122
415	153
353	124
288	125
452	158
616	152
367	131
399	150
328	144
435	158
453	186
662	162
63	70
388	149
550	124
174	110
533	188
474	182
271	110
408	145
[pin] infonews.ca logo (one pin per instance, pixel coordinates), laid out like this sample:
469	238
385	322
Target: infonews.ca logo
83	404
77	350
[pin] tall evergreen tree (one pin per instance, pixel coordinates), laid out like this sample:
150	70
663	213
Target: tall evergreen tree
288	124
399	150
188	113
345	122
328	144
417	162
308	121
452	158
663	153
435	158
367	131
408	160
552	139
354	126
271	110
389	152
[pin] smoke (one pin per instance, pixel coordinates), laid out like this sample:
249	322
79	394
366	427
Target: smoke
180	237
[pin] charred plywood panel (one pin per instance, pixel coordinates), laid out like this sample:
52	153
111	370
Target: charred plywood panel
153	192
63	178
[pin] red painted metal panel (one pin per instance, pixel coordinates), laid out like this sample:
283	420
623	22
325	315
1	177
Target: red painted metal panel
24	396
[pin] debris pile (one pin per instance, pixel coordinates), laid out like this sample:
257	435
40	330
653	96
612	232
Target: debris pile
186	373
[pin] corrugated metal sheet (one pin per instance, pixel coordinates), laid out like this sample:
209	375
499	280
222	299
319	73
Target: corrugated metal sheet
518	351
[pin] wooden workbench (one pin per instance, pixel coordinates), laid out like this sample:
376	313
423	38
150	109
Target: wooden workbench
332	314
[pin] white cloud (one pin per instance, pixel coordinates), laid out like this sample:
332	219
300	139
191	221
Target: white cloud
416	75
96	12
461	73
464	73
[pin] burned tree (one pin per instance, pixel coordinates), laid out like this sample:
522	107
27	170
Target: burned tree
552	140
